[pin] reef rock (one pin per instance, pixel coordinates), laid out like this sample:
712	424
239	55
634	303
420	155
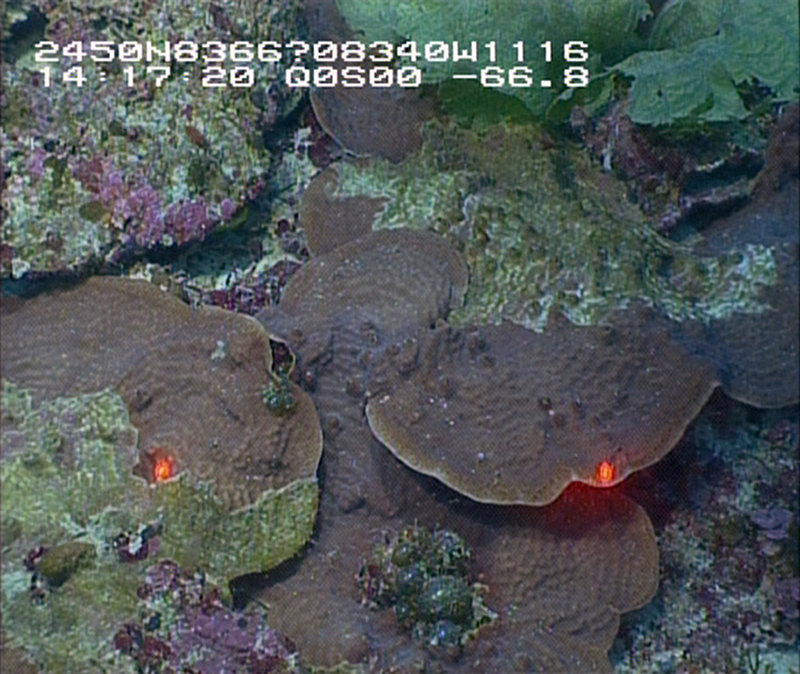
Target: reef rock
757	354
103	162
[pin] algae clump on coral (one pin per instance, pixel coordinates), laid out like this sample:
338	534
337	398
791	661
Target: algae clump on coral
423	576
542	229
67	483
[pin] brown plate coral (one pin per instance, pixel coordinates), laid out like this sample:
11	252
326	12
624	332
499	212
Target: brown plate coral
556	580
506	415
587	544
193	384
383	121
472	406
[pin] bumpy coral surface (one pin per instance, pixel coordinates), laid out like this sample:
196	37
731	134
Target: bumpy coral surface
515	415
383	121
341	313
192	381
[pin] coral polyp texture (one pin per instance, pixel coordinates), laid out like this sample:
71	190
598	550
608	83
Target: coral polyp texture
369	297
107	158
486	334
514	415
378	285
192	382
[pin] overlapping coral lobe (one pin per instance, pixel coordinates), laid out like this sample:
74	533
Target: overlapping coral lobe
556	577
343	310
360	320
757	354
382	121
382	287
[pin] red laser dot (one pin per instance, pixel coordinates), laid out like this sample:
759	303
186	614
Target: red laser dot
605	473
163	469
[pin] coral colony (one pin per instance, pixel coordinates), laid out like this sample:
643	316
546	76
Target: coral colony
492	367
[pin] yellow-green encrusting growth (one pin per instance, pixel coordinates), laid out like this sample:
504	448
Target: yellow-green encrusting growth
542	229
67	484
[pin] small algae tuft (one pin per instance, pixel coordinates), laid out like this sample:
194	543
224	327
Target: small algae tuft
58	564
278	395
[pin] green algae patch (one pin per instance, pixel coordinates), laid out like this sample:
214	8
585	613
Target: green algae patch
700	59
606	29
64	462
255	538
705	53
541	228
68	487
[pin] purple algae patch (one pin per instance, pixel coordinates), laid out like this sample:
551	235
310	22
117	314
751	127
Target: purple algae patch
773	521
186	623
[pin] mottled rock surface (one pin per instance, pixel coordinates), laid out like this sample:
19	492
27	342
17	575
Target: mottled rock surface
105	158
